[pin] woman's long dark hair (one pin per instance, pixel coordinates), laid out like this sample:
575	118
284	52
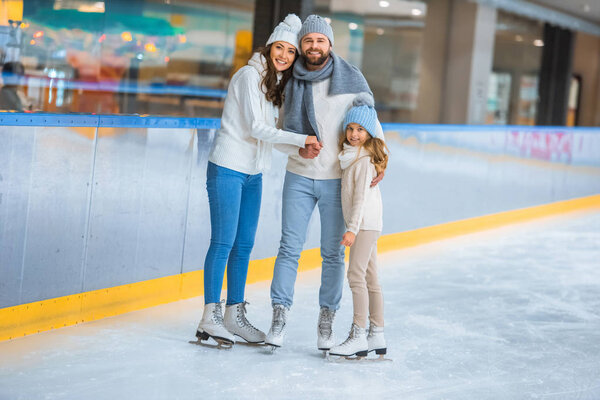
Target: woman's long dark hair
274	90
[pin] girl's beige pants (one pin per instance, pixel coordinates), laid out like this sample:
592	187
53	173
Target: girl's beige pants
362	276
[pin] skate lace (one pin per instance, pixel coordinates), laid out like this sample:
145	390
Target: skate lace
242	321
352	335
278	319
217	315
325	322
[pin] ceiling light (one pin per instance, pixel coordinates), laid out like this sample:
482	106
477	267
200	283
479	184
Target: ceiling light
538	42
416	12
352	26
384	4
519	38
380	31
328	20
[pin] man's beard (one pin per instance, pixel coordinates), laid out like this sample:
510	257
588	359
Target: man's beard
318	61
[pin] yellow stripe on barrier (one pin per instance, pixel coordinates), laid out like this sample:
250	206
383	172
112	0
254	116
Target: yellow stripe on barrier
26	319
397	241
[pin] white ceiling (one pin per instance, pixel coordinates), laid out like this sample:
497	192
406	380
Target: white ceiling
585	9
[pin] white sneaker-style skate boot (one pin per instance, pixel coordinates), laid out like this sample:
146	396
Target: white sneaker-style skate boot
211	325
376	340
355	345
278	326
236	323
325	329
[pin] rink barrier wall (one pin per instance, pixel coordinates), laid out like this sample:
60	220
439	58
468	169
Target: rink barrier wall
74	186
65	311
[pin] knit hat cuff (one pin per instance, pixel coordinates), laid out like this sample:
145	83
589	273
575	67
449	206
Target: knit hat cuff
316	24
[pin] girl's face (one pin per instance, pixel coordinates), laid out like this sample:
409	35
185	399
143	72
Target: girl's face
356	134
283	55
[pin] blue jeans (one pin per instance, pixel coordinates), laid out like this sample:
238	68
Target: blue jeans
300	195
234	200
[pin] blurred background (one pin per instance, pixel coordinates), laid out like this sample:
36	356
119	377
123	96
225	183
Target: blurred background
500	62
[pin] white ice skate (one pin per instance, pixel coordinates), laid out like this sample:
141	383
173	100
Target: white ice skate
235	322
355	345
278	326
325	329
376	340
211	327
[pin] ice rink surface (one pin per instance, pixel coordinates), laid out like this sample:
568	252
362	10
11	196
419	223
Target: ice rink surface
511	313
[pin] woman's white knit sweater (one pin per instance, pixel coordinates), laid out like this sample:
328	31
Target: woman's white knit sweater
361	204
244	142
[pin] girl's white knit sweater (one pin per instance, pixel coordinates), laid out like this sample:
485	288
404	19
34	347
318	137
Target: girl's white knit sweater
361	204
244	142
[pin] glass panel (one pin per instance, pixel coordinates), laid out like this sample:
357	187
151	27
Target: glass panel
498	98
518	52
385	42
172	57
528	96
574	89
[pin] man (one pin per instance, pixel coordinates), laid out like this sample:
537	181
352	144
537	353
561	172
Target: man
316	101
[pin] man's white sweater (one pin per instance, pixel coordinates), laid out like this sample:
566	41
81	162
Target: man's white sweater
330	112
244	142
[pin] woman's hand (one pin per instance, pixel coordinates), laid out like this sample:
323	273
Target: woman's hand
348	239
311	140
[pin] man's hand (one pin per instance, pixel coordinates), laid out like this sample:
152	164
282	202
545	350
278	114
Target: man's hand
311	150
311	140
377	179
348	239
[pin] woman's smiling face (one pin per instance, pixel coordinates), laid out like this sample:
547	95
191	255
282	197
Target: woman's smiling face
283	55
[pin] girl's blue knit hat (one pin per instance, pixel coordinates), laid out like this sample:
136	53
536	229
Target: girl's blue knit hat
363	113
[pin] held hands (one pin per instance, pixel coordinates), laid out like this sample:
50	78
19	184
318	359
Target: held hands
348	239
377	179
311	140
311	150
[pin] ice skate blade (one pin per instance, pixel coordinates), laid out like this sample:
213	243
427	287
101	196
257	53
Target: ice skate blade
355	359
216	345
271	348
251	344
204	339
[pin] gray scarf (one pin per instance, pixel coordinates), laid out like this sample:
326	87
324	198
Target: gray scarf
299	105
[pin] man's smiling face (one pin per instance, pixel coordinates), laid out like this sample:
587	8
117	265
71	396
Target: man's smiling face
315	49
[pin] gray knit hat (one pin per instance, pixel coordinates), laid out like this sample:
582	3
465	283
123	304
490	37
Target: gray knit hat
316	24
363	113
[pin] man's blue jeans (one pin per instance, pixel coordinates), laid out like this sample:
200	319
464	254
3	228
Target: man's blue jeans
300	195
234	200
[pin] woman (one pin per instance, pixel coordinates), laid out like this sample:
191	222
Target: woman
242	150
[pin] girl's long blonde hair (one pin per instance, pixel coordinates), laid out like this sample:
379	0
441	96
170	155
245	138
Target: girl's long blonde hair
376	148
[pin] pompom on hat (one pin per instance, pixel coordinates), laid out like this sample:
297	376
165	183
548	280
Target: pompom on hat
316	24
287	31
363	113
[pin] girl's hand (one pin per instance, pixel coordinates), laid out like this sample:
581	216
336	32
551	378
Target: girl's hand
311	140
348	239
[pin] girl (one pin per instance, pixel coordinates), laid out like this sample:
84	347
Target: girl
363	157
242	150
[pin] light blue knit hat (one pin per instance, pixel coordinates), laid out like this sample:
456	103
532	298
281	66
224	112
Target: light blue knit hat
363	113
316	24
